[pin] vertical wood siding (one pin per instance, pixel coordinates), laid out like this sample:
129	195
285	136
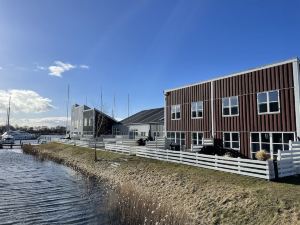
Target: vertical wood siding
245	86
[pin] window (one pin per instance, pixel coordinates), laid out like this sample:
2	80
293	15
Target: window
156	134
197	109
231	140
143	134
197	138
91	121
85	122
230	106
116	131
175	112
270	142
268	102
176	137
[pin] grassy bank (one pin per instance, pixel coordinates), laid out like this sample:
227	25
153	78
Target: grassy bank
207	196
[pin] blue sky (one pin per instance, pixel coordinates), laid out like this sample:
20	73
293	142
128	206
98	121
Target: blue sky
136	47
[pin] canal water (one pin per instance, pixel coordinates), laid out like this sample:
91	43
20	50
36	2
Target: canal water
43	192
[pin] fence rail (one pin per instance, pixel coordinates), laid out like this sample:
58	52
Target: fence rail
255	168
289	161
248	167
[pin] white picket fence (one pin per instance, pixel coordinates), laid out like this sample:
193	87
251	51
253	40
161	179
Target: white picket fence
254	168
288	162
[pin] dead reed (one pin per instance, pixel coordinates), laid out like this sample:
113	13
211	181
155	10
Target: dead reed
127	207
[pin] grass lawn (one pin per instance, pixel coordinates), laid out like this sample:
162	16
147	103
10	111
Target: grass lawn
224	198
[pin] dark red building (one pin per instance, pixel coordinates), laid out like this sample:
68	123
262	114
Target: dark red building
247	111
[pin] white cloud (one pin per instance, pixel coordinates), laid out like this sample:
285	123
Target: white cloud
84	66
25	101
37	122
60	67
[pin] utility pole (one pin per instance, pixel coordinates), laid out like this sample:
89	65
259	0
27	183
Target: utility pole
68	99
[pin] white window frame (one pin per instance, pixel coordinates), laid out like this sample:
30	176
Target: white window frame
268	102
197	104
175	137
271	141
230	106
230	141
197	140
175	109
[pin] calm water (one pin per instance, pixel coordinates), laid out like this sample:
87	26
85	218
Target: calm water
43	192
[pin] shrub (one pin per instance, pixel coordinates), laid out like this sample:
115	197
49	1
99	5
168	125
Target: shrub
141	142
262	155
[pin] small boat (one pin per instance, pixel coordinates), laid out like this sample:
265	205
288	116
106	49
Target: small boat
7	139
20	135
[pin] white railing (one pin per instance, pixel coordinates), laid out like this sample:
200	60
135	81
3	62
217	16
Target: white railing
254	168
248	167
288	162
118	148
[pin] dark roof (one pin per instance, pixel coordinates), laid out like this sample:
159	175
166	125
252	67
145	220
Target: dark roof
87	108
146	117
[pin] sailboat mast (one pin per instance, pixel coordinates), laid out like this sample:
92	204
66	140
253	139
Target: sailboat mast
68	109
8	115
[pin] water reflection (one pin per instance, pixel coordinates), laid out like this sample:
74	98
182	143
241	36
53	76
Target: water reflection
43	192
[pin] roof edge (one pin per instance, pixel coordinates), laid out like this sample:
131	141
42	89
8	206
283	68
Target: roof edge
295	59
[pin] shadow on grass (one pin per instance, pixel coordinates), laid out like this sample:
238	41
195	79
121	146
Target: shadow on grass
295	180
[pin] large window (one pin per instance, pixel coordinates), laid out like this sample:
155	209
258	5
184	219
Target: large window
230	106
197	109
268	102
176	137
270	142
85	122
197	138
231	140
175	112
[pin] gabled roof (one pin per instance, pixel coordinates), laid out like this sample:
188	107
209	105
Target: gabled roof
145	117
87	108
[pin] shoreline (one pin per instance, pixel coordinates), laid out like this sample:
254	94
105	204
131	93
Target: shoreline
206	196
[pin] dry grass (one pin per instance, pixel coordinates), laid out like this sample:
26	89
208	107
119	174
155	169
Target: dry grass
209	197
262	155
127	206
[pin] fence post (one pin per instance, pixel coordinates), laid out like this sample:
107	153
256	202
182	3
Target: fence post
167	155
279	155
180	156
239	166
196	158
273	169
216	161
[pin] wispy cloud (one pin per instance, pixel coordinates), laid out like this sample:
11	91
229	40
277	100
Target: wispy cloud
84	66
26	101
59	68
1	68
